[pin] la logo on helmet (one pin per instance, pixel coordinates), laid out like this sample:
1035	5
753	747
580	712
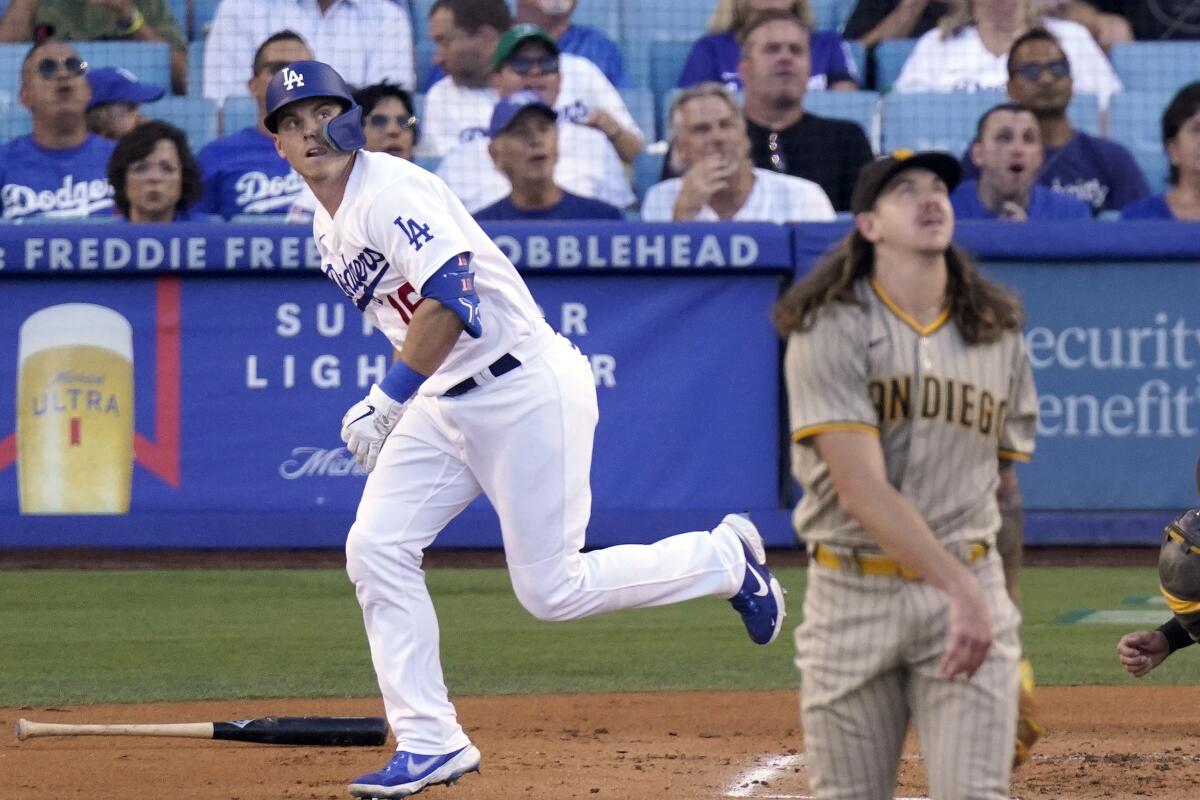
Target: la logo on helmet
291	79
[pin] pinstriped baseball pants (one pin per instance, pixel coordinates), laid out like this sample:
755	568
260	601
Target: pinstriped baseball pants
868	652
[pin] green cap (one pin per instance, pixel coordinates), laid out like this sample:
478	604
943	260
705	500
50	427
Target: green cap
516	36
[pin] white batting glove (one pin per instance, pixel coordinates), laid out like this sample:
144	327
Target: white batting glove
368	423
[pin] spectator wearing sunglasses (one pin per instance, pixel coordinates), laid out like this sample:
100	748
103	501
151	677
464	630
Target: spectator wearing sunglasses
391	127
527	57
58	171
784	137
115	107
105	20
243	173
592	141
720	182
1098	171
524	147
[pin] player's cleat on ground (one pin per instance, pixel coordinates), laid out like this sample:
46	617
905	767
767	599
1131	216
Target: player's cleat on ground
1029	730
760	600
408	773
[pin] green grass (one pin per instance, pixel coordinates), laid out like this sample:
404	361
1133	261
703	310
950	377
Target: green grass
74	637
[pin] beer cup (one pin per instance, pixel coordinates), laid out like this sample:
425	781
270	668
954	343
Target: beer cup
75	411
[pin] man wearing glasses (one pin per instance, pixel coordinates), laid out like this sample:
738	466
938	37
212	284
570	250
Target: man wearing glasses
1098	171
243	175
59	170
784	137
595	132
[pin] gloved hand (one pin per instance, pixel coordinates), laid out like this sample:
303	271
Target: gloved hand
368	423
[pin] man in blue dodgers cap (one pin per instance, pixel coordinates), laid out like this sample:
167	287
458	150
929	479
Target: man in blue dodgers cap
117	95
484	398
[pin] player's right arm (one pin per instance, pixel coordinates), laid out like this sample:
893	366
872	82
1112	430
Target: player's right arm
856	467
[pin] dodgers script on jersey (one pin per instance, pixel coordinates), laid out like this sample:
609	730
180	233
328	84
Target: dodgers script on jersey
944	411
397	226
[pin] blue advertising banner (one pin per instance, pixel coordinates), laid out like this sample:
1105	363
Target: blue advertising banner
238	386
190	248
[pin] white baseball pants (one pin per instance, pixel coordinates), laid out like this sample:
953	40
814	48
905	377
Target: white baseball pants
524	439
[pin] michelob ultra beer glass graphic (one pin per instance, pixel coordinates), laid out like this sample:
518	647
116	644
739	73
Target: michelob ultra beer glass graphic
75	411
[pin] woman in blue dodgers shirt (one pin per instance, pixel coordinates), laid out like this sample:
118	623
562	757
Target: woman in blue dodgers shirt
154	175
1181	140
714	57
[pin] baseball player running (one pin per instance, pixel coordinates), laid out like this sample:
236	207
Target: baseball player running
910	391
484	397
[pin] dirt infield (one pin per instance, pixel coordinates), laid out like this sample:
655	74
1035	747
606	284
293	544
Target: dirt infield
1104	742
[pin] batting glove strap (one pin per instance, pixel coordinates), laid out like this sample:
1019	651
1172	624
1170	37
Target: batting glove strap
368	423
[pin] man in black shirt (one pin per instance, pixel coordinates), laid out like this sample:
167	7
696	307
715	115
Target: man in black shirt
775	66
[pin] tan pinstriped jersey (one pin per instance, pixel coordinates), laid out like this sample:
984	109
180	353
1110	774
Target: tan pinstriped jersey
943	411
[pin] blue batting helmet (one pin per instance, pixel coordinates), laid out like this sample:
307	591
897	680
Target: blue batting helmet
302	80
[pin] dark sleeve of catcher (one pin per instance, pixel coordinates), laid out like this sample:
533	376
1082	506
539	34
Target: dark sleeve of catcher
1177	637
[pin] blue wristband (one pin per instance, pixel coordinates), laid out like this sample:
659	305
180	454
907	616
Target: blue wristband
401	381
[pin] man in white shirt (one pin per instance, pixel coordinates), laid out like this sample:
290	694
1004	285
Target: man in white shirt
720	182
966	59
590	159
367	41
526	57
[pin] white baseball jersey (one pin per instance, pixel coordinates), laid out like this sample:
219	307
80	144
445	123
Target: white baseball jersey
943	410
457	114
397	226
587	166
774	198
962	64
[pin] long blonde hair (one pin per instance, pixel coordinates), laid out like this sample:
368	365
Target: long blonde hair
961	14
731	15
982	310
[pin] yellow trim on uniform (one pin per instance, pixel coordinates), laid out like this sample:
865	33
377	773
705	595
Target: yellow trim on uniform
1014	455
904	315
812	430
1178	604
1176	536
880	564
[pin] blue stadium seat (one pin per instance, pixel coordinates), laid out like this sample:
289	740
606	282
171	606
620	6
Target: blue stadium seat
859	107
1084	113
423	57
420	18
238	113
180	9
5	113
859	54
890	56
202	14
602	14
640	103
922	121
1134	120
150	61
196	69
428	163
831	15
196	116
19	121
647	169
643	21
1156	66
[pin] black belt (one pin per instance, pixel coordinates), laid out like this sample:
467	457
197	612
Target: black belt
504	364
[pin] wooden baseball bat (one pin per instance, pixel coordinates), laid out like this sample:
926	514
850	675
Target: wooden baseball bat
322	731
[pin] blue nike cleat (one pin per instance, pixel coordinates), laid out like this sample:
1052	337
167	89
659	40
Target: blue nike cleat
760	600
408	773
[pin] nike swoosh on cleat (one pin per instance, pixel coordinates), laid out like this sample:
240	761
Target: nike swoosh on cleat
762	586
417	767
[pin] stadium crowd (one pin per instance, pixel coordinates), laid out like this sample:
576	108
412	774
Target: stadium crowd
528	114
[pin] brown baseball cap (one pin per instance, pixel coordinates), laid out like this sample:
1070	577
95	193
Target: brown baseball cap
875	175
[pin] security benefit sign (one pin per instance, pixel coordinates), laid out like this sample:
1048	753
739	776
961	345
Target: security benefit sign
1116	356
89	399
